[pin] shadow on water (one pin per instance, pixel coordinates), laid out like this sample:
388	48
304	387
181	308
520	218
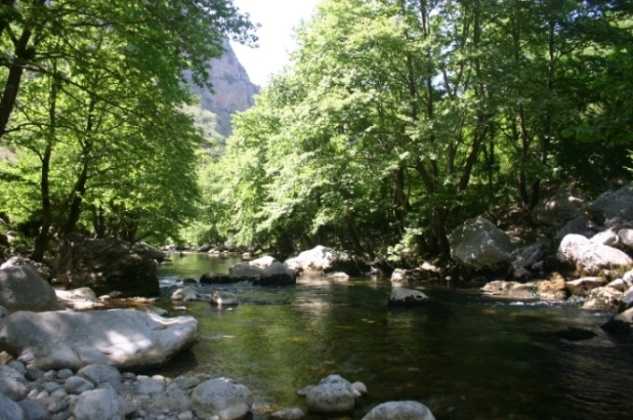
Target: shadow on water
463	355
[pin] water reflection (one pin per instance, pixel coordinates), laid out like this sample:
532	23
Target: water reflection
463	355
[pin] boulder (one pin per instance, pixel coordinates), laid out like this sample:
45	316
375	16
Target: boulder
627	301
78	299
122	338
22	288
584	285
213	278
590	258
188	294
560	208
511	290
407	297
12	383
626	237
221	398
106	264
400	410
425	272
612	204
244	271
578	226
276	274
480	245
223	298
263	262
527	260
554	288
603	299
606	237
319	259
10	409
332	395
100	403
102	375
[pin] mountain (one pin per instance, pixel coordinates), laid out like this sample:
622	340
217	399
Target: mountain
233	90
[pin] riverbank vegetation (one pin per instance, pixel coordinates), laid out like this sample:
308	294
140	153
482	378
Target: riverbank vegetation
396	121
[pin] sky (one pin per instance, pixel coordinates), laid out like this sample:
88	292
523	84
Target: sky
277	19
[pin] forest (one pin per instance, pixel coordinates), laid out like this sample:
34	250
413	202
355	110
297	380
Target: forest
396	121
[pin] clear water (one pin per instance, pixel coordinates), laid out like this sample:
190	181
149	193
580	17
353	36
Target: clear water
464	356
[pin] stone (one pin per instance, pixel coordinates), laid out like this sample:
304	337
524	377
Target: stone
276	274
523	259
75	385
401	410
557	209
102	403
606	237
33	410
223	298
554	288
626	237
12	383
407	297
584	285
263	262
578	226
79	299
102	374
10	410
245	272
511	290
187	294
106	264
149	386
22	288
603	299
627	301
319	259
122	338
333	395
611	204
290	413
222	398
480	245
589	258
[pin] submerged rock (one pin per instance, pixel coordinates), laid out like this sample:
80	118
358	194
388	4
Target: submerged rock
332	395
407	297
400	410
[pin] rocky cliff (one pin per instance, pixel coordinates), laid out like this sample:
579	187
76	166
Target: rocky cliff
233	90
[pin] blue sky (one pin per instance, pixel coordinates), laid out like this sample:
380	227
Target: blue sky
277	19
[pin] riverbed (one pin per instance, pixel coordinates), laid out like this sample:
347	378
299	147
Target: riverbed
464	355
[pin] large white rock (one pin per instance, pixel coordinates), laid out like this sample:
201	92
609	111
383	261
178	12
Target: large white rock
400	410
221	399
319	259
590	258
121	338
478	244
22	288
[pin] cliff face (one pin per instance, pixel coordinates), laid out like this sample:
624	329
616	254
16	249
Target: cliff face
233	90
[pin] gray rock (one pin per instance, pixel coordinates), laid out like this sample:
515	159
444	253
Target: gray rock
613	204
584	285
12	383
3	312
560	208
33	410
400	410
187	294
511	290
590	258
22	288
606	237
64	374
78	299
223	298
603	299
10	410
319	259
332	395
222	398
244	271
276	274
578	226
402	296
263	262
523	259
123	338
149	386
480	245
100	403
101	375
17	365
186	382
75	385
290	413
626	237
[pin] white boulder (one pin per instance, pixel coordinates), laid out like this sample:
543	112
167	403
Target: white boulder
478	244
590	258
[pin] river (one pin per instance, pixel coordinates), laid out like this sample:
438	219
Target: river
464	355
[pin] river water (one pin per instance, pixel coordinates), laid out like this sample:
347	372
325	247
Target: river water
464	355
